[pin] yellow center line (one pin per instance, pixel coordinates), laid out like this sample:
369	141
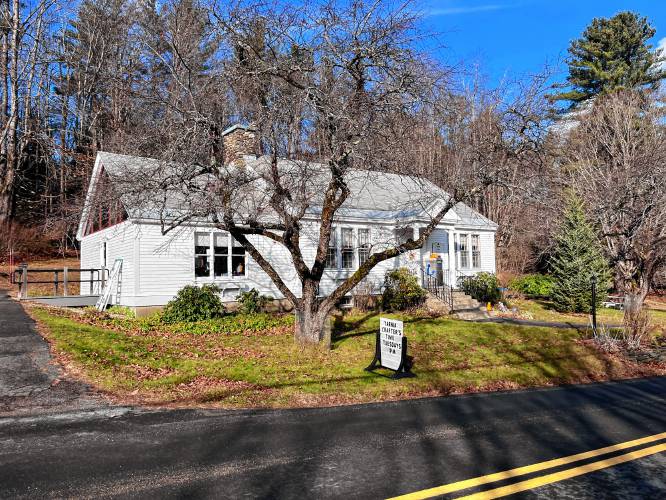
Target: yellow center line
565	474
526	469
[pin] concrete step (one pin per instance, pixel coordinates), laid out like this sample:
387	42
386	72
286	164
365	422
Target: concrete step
434	305
465	303
472	314
462	303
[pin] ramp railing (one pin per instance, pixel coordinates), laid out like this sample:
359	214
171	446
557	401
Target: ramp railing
61	278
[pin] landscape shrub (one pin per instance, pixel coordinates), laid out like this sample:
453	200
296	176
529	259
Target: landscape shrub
194	303
483	287
401	291
236	324
251	302
121	311
533	286
365	298
230	324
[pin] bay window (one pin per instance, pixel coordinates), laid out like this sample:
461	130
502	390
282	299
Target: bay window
348	248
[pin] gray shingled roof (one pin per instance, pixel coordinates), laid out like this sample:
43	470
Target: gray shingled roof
374	195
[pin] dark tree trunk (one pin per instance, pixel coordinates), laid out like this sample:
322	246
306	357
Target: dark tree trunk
312	327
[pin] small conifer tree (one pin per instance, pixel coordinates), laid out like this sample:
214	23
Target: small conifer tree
577	257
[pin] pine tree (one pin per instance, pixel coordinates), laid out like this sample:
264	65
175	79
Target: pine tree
612	54
577	257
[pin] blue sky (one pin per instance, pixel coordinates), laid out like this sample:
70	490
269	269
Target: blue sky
517	38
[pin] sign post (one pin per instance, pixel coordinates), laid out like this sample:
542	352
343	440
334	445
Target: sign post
391	349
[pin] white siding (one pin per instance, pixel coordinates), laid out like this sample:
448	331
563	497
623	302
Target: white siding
487	245
119	245
487	249
157	266
166	264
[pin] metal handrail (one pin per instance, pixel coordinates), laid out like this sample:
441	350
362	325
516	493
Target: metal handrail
442	290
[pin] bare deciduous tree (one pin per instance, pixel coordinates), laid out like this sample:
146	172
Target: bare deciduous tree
332	91
618	166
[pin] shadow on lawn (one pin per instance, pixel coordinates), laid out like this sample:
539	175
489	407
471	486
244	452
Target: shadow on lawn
342	330
437	375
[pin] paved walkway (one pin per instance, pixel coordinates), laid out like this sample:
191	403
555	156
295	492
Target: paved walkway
532	322
29	381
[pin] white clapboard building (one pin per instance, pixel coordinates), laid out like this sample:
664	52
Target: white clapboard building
381	210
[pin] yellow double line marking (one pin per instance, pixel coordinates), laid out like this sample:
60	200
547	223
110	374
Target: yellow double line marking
547	479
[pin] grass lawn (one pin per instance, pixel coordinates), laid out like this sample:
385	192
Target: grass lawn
543	310
221	365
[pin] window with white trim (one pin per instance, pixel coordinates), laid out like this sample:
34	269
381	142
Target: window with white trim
363	245
237	258
201	255
347	248
476	251
221	251
218	255
332	251
464	250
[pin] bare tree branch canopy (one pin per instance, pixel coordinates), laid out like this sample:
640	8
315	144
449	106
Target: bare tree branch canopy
331	92
617	163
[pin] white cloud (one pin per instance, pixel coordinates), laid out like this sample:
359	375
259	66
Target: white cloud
449	11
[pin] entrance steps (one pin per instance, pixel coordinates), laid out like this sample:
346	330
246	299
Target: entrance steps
464	306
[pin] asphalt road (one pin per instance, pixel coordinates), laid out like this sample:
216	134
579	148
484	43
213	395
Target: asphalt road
367	451
60	439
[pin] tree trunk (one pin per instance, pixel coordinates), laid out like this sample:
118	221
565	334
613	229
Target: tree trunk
634	297
312	321
11	158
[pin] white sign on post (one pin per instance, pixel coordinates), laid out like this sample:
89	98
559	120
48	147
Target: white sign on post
390	342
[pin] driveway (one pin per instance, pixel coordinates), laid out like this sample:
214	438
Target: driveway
29	381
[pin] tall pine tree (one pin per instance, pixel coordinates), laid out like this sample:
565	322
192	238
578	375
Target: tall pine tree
577	257
612	54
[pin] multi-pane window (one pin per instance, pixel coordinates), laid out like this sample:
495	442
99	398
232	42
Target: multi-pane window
201	255
217	255
332	252
476	251
237	259
221	249
347	248
464	251
363	245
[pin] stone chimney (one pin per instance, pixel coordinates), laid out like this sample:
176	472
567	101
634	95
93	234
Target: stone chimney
239	141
